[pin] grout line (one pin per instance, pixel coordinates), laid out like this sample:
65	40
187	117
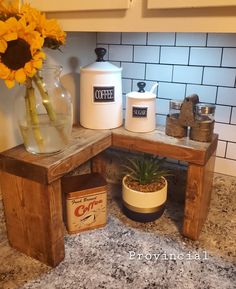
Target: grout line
221	57
206	40
203	72
226	147
231	114
189	52
185	90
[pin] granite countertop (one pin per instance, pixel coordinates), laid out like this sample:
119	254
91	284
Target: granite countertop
108	257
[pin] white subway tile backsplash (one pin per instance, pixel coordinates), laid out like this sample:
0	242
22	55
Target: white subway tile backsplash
116	63
109	37
221	149
123	114
222	113
174	55
120	53
229	57
205	93
205	56
149	54
226	96
126	85
231	151
162	106
134	38
225	166
182	64
133	70
160	119
221	39
226	132
190	39
219	76
158	38
159	72
124	100
148	86
187	74
233	117
171	90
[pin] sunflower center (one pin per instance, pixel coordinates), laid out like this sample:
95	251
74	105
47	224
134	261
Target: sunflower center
17	54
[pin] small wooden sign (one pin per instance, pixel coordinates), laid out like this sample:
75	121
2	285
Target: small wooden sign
173	128
104	94
86	202
140	112
187	117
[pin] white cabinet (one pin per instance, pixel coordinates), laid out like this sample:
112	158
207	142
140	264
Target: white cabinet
79	5
178	4
142	15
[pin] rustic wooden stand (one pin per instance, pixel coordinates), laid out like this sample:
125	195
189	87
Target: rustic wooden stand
31	184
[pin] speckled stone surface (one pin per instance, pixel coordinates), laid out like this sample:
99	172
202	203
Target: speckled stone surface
104	258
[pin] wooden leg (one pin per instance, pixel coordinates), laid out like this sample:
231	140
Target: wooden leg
34	218
197	199
98	164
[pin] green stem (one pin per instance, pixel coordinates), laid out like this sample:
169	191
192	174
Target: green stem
45	98
48	106
24	130
31	113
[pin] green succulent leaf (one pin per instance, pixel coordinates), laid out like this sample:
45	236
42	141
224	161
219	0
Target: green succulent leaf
146	169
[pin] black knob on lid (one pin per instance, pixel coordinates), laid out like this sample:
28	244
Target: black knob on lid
100	52
141	86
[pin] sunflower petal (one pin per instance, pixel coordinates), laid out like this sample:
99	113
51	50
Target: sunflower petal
10	36
20	75
3	28
3	45
4	71
10	83
38	63
32	73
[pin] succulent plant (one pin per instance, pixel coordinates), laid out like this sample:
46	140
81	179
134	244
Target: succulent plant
146	169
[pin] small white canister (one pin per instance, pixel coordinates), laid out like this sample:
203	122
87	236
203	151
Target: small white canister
100	94
141	109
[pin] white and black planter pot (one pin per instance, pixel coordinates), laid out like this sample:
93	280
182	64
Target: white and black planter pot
143	206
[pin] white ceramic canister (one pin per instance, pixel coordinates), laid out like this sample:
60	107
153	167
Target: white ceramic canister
141	109
100	94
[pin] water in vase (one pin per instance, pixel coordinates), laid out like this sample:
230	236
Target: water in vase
47	137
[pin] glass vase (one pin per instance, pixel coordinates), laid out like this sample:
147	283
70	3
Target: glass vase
44	112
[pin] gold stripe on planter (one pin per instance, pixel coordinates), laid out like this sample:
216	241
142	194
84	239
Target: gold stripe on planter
143	210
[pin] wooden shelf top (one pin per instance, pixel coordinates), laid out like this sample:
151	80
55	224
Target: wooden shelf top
87	143
157	142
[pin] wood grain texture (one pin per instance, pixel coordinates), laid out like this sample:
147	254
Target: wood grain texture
84	145
197	199
31	184
99	164
174	129
34	218
157	142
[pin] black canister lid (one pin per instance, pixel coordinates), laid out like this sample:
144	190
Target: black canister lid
100	65
141	85
100	52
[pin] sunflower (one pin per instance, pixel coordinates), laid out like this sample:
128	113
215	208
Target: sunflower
48	28
8	8
20	51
